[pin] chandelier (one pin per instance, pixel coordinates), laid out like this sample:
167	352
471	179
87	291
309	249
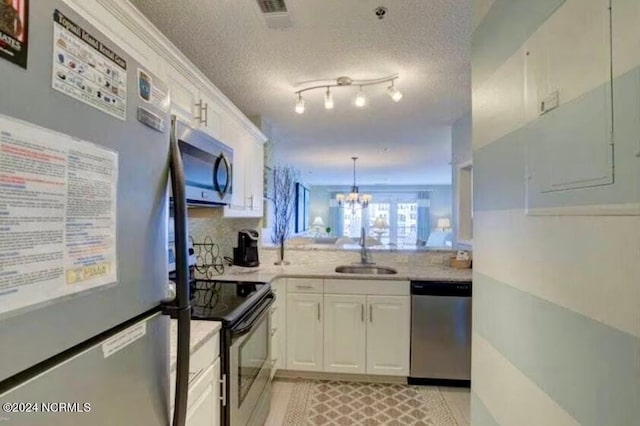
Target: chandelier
360	99
354	198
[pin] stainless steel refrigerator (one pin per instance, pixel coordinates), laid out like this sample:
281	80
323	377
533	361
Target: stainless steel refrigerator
87	352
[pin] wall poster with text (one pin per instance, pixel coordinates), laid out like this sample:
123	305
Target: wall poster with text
14	31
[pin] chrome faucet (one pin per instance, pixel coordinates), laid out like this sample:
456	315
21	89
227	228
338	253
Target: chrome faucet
365	257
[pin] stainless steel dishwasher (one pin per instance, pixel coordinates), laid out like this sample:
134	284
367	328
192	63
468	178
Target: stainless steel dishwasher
440	333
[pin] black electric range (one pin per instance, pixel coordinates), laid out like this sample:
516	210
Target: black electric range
226	301
243	308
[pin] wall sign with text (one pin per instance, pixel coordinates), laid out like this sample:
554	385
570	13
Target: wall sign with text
14	31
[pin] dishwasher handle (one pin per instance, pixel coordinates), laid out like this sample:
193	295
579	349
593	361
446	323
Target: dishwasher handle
441	288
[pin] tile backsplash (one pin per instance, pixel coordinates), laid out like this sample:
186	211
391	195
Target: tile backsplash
223	231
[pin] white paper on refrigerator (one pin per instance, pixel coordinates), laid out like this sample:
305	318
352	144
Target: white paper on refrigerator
57	215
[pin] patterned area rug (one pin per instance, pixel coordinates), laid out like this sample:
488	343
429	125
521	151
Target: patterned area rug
318	402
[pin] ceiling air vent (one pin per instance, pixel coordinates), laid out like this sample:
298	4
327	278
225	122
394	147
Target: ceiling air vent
275	14
272	6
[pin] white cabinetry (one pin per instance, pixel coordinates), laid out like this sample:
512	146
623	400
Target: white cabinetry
344	333
248	172
304	331
204	398
278	326
203	401
348	326
208	116
192	105
184	95
388	335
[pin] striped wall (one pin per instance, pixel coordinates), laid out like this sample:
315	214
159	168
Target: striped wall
556	323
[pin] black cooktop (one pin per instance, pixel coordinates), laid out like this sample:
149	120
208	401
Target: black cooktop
225	301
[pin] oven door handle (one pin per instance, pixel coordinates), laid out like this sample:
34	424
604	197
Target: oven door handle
245	326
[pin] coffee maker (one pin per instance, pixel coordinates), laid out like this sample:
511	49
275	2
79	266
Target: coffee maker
246	254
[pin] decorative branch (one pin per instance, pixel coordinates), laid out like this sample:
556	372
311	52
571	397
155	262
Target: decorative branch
284	199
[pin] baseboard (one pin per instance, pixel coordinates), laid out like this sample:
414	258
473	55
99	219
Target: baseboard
439	382
319	375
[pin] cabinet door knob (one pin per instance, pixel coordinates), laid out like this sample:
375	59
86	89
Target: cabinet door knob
362	312
318	311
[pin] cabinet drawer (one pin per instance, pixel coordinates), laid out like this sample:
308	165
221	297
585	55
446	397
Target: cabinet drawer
205	355
199	384
305	285
364	286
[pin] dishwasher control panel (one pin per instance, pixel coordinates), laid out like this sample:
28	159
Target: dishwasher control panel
441	288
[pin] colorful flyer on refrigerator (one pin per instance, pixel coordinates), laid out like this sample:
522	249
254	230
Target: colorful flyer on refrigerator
57	215
14	31
86	69
154	102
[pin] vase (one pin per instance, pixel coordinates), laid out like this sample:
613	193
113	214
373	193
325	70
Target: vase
282	261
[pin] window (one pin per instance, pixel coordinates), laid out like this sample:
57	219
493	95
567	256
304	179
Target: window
397	211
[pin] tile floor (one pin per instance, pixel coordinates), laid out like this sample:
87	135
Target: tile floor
457	400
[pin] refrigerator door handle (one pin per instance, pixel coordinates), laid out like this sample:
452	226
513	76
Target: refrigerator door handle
180	307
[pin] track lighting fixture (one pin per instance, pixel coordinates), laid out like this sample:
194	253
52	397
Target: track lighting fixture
361	97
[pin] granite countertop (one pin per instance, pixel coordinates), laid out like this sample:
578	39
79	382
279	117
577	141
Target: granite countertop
201	331
406	272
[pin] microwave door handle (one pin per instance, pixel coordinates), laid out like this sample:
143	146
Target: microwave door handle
180	307
227	169
221	161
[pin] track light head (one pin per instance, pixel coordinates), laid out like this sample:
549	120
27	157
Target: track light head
395	94
328	99
300	105
361	99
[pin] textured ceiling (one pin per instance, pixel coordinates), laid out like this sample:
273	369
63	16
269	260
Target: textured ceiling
425	41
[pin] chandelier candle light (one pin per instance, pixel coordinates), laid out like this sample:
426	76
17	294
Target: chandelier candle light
360	99
354	197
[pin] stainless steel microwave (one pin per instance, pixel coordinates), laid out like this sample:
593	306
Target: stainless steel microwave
208	166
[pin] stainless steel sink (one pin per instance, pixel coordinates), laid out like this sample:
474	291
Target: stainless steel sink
366	269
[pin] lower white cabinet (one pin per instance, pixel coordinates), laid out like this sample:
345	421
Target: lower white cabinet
204	398
278	326
304	331
344	333
367	334
388	335
348	326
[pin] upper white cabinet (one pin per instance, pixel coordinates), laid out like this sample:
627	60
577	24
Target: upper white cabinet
184	95
388	335
208	115
247	173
